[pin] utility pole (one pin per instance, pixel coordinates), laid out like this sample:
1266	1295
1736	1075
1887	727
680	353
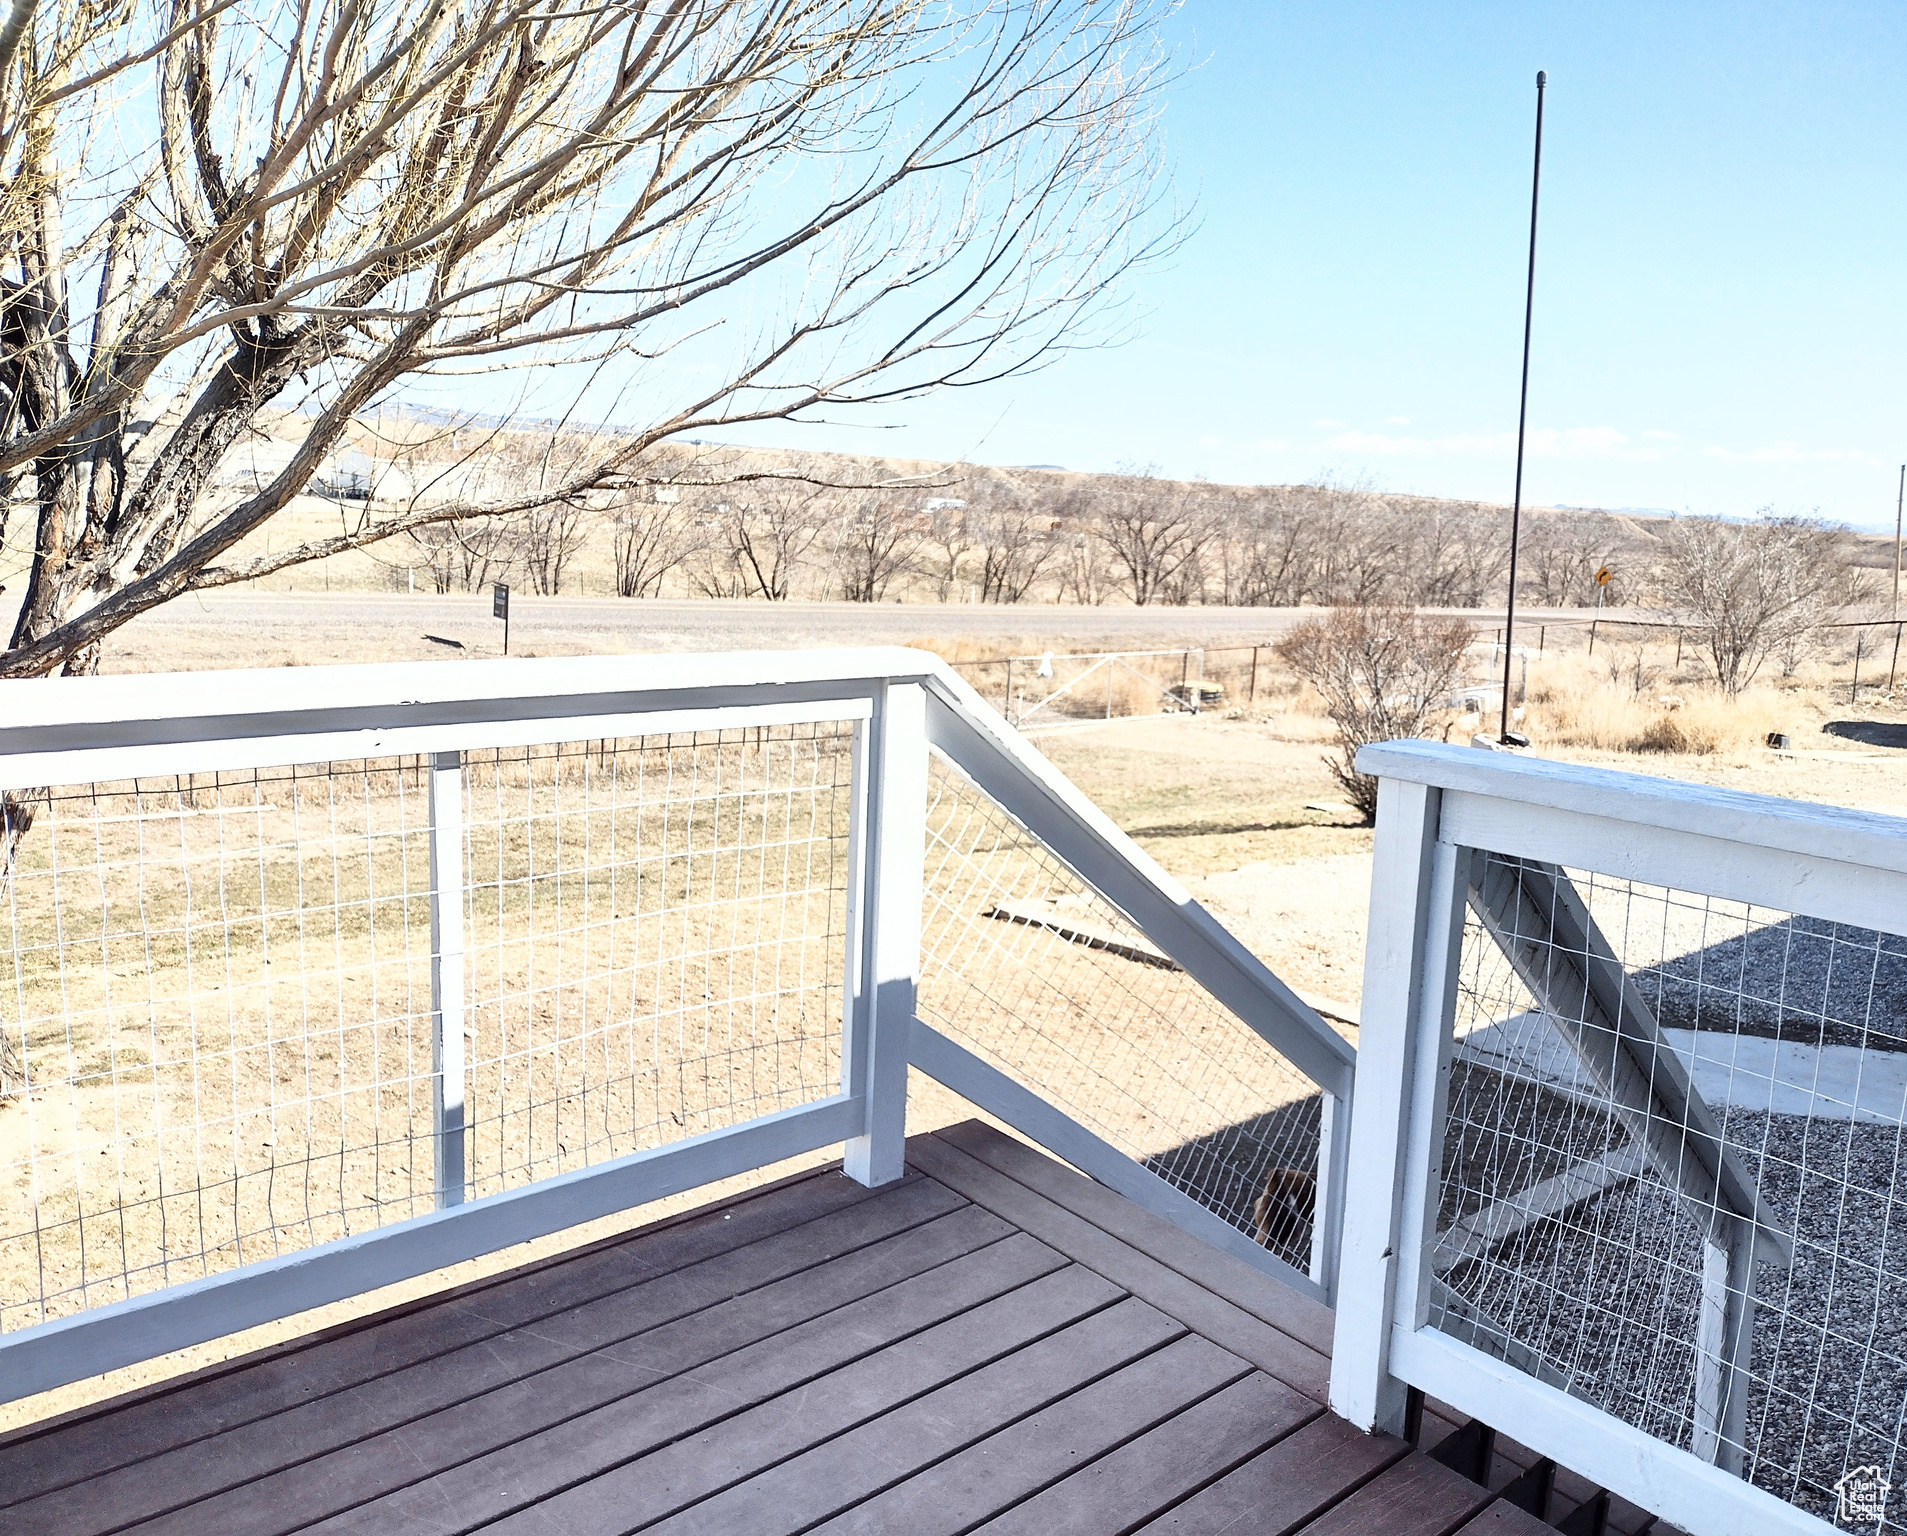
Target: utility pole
1522	415
1899	502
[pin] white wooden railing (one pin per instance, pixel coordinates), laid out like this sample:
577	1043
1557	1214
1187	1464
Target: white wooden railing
239	1022
1631	1090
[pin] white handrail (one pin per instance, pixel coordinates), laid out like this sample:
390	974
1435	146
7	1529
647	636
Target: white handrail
1867	839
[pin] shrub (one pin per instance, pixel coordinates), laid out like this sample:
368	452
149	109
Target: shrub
1382	673
1756	589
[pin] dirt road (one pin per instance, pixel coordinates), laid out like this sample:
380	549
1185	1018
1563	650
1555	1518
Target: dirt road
268	629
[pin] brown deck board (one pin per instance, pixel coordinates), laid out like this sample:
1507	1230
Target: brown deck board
1250	1338
1156	1469
949	1486
1306	1320
1412	1497
1283	1487
152	1421
803	1358
645	1340
992	1344
1008	1358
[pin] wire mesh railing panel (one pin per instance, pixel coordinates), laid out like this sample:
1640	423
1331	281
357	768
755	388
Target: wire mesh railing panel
655	943
1026	966
216	992
1629	1098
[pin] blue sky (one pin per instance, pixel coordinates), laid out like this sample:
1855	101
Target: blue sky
1721	318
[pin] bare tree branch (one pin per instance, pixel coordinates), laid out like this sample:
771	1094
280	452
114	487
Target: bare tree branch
677	215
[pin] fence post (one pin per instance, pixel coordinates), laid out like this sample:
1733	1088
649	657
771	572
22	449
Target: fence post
1725	1334
886	870
447	975
1400	1025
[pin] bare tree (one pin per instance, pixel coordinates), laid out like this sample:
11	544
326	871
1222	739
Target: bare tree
946	543
437	544
1560	555
333	200
1016	547
757	546
553	532
1754	588
1151	529
1274	552
879	541
1087	577
1382	673
486	550
649	539
1455	554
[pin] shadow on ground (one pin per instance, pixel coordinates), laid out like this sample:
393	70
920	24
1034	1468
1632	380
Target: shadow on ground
1870	733
1225	1169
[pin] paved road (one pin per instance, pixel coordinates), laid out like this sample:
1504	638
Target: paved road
363	626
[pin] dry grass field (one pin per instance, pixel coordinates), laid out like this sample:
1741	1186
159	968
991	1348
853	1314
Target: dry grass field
224	987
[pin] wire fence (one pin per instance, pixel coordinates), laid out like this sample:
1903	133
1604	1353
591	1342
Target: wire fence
1726	1271
1030	969
215	991
1057	689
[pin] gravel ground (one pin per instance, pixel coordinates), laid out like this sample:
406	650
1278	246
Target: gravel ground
1806	980
1608	1292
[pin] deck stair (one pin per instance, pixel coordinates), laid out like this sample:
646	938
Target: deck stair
1548	1496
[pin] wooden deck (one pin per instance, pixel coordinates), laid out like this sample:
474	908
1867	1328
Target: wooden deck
991	1344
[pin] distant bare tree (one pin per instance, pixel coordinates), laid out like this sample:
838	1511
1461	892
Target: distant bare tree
1274	550
1456	554
1364	561
437	543
757	545
552	533
1087	576
879	542
1151	529
466	556
1381	672
947	542
648	539
1016	547
1754	587
486	551
1560	554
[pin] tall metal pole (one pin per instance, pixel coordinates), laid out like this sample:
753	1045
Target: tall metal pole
1522	414
1899	502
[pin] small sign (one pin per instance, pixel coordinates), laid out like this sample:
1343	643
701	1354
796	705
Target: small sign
1605	576
500	600
1861	1496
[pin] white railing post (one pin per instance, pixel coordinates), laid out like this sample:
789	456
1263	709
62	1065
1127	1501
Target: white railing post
1327	1217
889	849
447	975
1414	924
